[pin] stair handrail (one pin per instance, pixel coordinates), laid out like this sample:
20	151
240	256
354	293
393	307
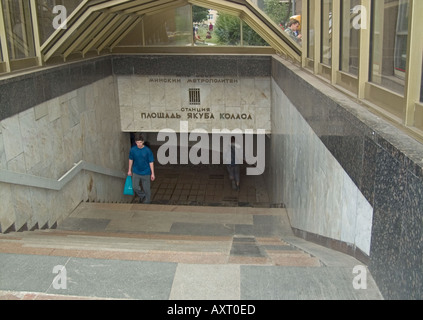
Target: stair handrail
29	180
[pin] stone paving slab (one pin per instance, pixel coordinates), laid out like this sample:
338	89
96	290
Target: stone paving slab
117	279
185	260
206	282
303	283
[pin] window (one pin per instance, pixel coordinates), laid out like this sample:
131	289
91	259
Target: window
350	36
389	40
326	46
421	87
172	27
1	51
311	28
46	15
17	20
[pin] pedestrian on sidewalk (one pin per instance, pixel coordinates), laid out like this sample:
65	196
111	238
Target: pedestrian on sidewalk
141	168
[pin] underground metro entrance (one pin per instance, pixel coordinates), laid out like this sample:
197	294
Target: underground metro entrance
186	180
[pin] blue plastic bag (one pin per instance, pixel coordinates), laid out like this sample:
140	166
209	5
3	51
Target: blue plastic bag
128	187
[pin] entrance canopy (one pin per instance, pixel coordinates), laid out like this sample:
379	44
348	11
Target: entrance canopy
98	25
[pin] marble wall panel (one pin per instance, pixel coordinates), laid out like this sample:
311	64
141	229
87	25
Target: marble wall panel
3	161
70	128
382	162
22	207
319	195
30	141
22	92
7	212
41	209
162	102
12	142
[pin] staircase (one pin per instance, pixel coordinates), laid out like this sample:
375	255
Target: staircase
175	252
167	233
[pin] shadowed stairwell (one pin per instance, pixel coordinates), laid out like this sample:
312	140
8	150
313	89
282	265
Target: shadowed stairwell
207	240
230	245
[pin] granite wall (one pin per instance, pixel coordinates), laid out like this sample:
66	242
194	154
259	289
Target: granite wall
385	164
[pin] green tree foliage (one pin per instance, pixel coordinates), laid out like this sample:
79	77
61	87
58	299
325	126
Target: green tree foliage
252	38
228	31
199	14
278	12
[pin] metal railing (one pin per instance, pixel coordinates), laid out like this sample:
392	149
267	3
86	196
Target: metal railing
51	184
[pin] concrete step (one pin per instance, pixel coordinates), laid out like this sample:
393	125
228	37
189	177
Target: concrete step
180	249
167	233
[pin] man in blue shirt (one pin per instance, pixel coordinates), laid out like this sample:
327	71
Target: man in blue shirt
141	168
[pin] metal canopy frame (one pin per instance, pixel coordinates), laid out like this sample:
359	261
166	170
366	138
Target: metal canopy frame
101	24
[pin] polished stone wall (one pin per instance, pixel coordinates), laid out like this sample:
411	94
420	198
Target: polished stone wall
198	66
384	163
151	104
234	92
378	161
47	139
29	89
319	195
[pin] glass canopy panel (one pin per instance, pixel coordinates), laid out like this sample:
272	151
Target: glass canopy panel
227	30
252	38
278	11
389	51
214	28
421	86
311	29
50	11
171	27
326	46
350	36
19	32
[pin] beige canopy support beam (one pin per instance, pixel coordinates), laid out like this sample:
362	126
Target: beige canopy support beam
99	24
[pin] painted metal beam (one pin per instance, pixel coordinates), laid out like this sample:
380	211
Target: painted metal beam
88	9
123	23
3	40
101	35
128	29
82	23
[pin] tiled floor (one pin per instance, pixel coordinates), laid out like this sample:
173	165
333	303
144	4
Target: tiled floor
206	185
